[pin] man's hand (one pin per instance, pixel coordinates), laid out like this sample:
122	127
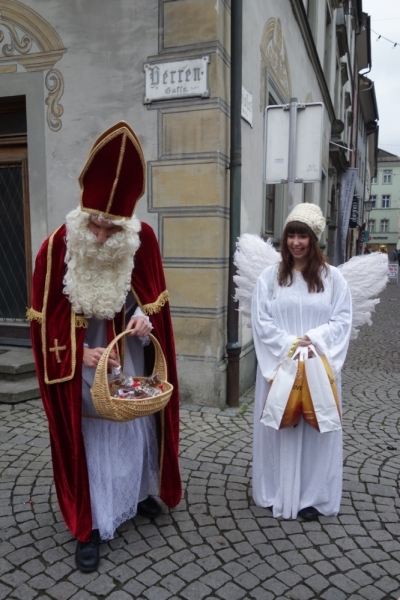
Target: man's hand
139	326
91	357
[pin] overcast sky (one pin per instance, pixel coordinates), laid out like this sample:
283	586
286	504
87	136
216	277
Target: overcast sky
385	19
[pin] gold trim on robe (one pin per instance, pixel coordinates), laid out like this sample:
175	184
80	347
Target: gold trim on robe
153	307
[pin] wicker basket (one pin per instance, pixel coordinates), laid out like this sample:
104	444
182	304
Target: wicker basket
120	409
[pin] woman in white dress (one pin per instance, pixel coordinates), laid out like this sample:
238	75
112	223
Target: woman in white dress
300	301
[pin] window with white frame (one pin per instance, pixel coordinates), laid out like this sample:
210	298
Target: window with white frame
312	14
272	193
372	226
374	180
387	176
373	199
384	225
385	201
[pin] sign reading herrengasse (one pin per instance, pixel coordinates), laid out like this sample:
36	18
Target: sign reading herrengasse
176	79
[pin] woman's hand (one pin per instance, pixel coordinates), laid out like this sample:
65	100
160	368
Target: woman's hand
305	341
139	326
91	357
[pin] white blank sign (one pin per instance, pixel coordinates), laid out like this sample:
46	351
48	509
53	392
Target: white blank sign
308	143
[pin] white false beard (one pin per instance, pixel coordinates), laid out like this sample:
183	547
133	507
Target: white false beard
98	276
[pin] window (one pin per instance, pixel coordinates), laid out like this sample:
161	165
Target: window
15	270
312	16
387	176
328	43
385	201
373	200
372	226
273	194
374	180
269	208
384	225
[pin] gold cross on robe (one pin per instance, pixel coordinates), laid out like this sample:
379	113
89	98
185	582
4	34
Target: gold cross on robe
56	349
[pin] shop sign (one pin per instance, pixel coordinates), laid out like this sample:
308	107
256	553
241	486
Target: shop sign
360	240
176	79
353	213
348	183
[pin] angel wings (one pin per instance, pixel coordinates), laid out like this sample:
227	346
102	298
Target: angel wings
366	275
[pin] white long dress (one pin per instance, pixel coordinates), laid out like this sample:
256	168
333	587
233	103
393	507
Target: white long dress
297	467
122	458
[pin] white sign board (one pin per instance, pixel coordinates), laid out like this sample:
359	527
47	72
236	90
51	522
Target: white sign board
308	143
176	79
247	106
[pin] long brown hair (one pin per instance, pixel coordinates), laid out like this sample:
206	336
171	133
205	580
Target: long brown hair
315	260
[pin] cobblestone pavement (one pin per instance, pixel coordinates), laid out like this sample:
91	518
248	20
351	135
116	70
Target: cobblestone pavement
217	544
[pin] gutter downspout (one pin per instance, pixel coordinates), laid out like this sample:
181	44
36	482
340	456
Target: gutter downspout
233	347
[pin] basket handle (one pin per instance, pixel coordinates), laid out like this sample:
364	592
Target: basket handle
159	356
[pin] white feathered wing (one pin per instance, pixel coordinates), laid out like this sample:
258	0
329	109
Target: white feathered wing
252	256
367	276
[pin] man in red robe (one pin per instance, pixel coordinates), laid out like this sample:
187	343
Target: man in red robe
95	276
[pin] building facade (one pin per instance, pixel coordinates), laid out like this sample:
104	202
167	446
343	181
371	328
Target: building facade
383	220
70	70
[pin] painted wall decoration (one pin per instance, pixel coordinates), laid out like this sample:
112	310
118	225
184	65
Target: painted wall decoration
28	42
274	58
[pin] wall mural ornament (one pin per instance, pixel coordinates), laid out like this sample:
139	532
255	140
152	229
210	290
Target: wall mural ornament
23	46
31	42
55	84
274	58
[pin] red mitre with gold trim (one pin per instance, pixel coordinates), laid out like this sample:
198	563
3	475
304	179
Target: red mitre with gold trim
114	176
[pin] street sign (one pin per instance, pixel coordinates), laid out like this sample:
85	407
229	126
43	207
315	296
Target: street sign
176	79
247	106
308	144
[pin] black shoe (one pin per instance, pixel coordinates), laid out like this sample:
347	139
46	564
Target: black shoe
309	514
87	555
149	508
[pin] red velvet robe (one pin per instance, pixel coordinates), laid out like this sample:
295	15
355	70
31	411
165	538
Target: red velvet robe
57	340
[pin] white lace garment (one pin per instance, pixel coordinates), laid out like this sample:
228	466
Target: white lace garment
122	458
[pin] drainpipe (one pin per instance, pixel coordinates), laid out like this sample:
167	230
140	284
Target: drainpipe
233	347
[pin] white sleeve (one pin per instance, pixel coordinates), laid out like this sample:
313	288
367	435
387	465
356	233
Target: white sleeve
139	313
332	338
272	344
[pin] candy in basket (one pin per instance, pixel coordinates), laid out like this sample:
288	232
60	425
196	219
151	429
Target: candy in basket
126	398
136	388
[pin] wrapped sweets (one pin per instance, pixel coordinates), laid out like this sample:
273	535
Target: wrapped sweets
136	388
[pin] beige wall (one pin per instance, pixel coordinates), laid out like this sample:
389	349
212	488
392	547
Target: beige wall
188	189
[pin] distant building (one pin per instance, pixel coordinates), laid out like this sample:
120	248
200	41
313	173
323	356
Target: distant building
383	222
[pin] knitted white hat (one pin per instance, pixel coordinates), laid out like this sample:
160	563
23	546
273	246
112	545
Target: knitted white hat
311	215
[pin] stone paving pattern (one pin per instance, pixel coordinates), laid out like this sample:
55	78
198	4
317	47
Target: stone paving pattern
217	545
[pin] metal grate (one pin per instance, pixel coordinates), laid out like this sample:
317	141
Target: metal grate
13	285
